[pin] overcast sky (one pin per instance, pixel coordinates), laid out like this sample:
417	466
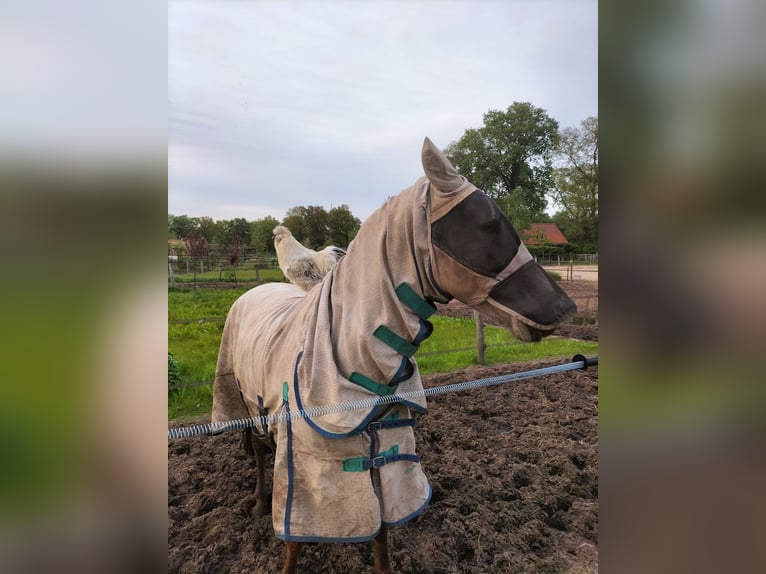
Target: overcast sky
275	104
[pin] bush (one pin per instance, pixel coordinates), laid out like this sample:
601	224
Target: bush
174	371
553	275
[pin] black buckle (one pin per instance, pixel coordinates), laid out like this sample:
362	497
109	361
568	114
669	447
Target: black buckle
378	461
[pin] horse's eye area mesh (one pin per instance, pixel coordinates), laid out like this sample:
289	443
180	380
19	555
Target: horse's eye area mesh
477	234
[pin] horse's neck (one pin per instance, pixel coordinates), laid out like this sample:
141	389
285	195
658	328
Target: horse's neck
390	249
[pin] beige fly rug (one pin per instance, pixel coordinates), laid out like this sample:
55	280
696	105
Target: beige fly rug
353	336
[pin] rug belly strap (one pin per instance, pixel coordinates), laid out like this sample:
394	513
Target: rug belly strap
360	464
418	305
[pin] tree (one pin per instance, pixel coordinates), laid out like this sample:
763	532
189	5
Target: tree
262	235
309	225
295	221
576	184
196	250
317	226
234	254
343	226
179	226
239	226
208	228
511	158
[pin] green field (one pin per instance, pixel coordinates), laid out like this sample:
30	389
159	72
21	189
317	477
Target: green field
195	345
244	274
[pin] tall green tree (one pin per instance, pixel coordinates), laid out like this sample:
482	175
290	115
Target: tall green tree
343	226
576	184
240	227
317	226
511	158
208	228
295	221
262	235
179	226
308	224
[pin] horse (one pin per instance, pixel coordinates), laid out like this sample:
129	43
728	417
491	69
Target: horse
350	475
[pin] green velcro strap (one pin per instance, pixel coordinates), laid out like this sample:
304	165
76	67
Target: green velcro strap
358	464
395	341
419	306
285	386
394	416
354	464
370	385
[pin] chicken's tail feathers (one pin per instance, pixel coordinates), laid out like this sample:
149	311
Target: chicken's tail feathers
337	252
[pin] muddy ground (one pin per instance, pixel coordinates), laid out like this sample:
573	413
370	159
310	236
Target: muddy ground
514	472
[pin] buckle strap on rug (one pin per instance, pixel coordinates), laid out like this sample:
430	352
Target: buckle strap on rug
394	341
422	308
417	304
362	463
384	424
370	385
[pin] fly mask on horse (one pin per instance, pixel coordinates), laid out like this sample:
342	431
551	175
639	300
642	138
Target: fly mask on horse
486	265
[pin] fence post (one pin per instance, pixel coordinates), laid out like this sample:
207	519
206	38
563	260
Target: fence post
480	345
172	276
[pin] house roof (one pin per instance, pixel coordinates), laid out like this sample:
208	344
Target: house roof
543	233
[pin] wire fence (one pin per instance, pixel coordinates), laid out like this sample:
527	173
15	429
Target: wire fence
579	362
193	384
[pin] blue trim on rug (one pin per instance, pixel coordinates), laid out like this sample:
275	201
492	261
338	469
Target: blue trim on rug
414	514
290	470
367	420
415	407
327	434
399	376
373	452
426	330
352	539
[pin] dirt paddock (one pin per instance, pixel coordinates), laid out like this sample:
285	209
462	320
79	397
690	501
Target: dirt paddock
513	468
514	476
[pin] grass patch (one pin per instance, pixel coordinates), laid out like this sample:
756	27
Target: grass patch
185	304
195	346
502	347
190	403
245	275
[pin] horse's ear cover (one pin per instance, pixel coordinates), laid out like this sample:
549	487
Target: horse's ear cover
439	170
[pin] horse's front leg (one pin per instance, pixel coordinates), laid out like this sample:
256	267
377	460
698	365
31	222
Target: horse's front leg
291	556
380	551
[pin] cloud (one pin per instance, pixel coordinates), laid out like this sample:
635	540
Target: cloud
283	104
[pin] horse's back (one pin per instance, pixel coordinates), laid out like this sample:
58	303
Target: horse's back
255	320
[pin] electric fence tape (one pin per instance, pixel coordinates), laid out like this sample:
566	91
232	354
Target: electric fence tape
579	362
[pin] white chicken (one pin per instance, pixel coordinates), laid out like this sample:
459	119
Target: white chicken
302	266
